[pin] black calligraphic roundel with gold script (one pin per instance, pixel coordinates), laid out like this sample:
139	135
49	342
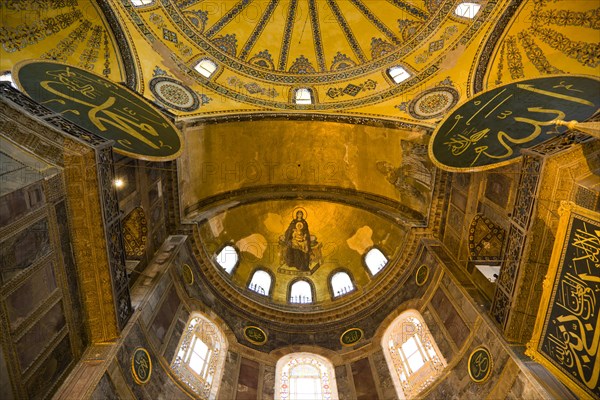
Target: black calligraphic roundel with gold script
490	129
255	335
141	366
351	336
480	364
102	107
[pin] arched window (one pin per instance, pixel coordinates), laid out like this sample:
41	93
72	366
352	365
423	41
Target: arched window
398	74
412	355
375	260
260	282
201	357
341	284
301	292
467	10
305	376
303	96
140	3
228	258
206	67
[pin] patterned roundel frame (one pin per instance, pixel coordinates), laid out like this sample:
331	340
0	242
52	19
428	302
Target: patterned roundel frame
433	103
174	94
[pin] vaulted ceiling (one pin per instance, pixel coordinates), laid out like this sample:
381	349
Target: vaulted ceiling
349	158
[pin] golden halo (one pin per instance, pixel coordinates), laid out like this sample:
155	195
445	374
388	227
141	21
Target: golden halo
299	209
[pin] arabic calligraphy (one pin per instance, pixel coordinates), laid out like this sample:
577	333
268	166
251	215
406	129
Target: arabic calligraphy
572	336
255	335
101	107
141	366
491	129
351	336
480	364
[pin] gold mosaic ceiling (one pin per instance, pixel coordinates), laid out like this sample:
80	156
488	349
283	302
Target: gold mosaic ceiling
341	50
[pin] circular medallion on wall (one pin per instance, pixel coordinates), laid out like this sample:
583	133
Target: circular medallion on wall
351	336
141	366
480	364
255	335
188	274
174	94
433	103
421	275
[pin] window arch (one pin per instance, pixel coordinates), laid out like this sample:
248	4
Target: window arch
305	376
206	67
375	260
341	284
301	292
200	361
398	74
467	10
303	96
261	282
412	355
141	3
228	258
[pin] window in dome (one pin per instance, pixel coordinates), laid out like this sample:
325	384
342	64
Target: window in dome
375	260
200	360
260	282
141	3
341	284
228	258
398	74
467	10
303	96
206	67
305	376
301	292
412	355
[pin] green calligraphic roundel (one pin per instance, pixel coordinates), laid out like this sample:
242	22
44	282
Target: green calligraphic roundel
351	336
141	366
480	364
101	107
255	335
490	129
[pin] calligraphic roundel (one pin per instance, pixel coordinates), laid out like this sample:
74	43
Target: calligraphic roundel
101	107
490	129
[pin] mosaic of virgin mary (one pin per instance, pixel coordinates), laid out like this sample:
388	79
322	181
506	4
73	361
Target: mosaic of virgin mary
297	240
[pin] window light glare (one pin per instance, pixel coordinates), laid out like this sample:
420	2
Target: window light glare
119	183
227	258
206	67
7	77
303	96
398	74
375	260
140	3
260	283
467	10
301	293
341	284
